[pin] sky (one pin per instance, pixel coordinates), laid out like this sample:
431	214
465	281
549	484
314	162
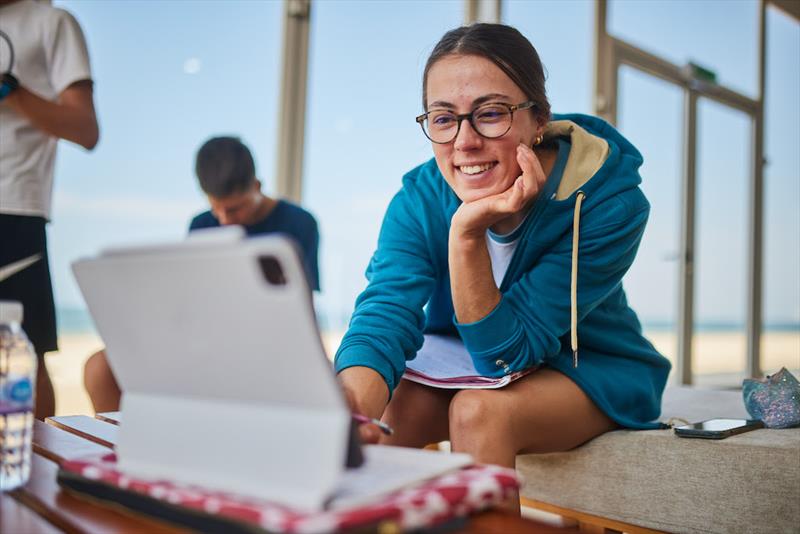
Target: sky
170	74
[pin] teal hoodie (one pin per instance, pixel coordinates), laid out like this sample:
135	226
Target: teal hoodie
408	293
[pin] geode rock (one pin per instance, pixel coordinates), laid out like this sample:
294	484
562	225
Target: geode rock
775	400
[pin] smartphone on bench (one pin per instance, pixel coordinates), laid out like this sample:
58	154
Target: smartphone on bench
718	428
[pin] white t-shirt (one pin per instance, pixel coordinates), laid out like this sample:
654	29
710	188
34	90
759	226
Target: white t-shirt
50	55
501	250
500	253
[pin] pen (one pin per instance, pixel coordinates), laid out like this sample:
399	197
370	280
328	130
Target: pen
386	429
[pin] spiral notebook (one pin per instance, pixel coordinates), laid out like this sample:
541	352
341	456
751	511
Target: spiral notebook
444	362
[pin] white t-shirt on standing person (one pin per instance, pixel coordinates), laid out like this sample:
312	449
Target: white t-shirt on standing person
50	55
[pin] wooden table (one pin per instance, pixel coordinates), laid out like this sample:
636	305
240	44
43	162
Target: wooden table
42	507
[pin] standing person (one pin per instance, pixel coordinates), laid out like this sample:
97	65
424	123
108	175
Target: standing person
46	95
227	175
513	239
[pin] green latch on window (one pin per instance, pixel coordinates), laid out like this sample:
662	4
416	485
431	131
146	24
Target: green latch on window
696	72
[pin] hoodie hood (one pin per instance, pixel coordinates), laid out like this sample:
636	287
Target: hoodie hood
601	164
597	150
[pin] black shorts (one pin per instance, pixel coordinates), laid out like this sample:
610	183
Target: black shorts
20	237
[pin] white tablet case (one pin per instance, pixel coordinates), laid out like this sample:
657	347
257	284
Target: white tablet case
225	378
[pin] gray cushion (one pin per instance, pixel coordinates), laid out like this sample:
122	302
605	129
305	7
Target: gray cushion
654	479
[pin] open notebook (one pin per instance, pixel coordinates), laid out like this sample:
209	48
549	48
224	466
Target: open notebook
444	362
227	386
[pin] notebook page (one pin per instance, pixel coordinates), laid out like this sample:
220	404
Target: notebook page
443	357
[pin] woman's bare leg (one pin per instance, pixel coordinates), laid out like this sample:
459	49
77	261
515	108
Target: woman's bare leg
418	415
542	412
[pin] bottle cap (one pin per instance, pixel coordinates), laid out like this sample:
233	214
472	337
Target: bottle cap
10	311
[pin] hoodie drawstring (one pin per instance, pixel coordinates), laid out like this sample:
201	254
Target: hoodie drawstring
576	222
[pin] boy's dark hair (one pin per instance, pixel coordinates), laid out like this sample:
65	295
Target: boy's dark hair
504	46
224	167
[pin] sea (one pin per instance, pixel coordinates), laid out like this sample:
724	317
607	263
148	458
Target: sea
78	321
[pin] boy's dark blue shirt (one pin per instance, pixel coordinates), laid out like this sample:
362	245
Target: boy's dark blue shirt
285	218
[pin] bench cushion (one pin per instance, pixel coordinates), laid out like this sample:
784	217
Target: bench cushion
657	480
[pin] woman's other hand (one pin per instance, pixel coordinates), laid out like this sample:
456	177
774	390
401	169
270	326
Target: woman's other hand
367	394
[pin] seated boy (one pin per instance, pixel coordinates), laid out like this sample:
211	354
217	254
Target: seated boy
226	173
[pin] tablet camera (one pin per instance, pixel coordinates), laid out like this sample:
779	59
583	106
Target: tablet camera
272	270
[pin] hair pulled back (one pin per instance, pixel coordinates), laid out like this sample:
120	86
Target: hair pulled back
504	46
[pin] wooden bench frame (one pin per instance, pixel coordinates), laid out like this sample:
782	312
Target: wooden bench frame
594	524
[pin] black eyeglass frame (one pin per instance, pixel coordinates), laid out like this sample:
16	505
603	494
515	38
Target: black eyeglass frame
530	104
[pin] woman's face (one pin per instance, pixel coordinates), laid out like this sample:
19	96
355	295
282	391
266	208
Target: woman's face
473	166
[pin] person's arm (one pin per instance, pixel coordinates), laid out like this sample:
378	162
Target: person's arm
366	390
386	326
71	117
528	321
367	394
474	292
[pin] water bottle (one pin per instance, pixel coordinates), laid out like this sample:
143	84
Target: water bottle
17	378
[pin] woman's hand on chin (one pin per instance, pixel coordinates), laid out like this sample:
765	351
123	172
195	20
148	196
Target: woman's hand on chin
472	219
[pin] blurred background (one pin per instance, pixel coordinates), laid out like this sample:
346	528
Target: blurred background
170	74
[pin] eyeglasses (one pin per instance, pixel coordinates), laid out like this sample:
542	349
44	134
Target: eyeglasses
491	120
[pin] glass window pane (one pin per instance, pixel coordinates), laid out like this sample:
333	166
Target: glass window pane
720	36
723	229
364	92
780	341
168	75
568	67
652	282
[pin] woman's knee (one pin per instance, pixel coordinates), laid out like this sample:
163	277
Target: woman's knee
475	413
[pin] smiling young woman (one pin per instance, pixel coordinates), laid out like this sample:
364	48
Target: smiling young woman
511	240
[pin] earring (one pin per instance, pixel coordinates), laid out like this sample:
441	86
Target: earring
538	140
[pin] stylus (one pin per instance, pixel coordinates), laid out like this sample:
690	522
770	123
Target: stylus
386	429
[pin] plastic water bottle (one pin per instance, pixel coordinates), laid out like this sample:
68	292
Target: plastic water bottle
17	378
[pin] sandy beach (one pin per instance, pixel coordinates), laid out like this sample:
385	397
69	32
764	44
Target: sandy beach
719	360
66	372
